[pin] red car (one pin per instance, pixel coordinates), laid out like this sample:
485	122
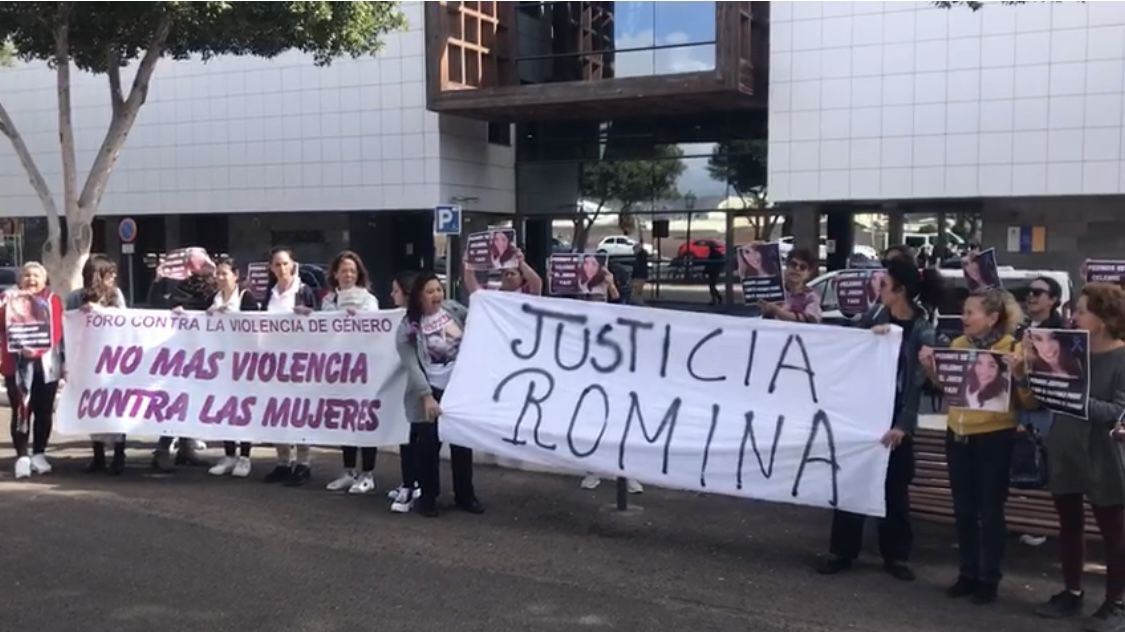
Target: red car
701	248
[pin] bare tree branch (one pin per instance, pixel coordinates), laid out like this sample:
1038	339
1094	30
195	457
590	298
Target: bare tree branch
113	71
8	128
123	120
66	124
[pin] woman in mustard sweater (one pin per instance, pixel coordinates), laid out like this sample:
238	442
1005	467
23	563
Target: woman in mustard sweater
978	447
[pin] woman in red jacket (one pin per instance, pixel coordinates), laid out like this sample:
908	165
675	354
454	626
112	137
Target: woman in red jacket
31	363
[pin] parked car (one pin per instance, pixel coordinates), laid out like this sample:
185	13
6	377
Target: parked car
619	246
700	248
786	245
560	245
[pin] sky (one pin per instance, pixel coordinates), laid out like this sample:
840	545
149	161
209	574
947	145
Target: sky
639	24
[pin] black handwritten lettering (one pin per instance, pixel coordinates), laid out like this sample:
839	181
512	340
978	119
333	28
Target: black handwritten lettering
806	368
609	343
748	433
633	326
529	399
707	448
574	419
750	357
819	419
540	315
669	422
558	349
664	352
691	357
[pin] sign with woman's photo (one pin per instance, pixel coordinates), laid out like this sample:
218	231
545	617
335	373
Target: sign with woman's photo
981	270
181	263
1058	363
493	249
577	274
857	290
759	267
28	322
258	278
1105	271
974	379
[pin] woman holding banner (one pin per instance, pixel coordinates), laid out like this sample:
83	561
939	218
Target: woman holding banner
402	499
429	339
287	295
230	297
1086	463
522	278
348	282
802	304
978	447
31	373
99	291
901	291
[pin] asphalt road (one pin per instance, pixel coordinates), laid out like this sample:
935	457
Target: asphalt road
187	552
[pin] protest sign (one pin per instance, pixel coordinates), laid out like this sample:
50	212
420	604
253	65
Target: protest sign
28	322
974	379
325	379
758	409
857	290
1058	369
493	249
258	278
180	264
577	274
1105	271
981	270
759	267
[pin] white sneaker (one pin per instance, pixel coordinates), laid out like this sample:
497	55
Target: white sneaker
198	445
345	481
23	467
590	482
241	467
364	484
403	501
39	464
223	467
634	487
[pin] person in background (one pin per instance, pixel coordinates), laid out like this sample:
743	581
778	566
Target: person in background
640	273
802	304
978	447
230	297
521	278
31	377
402	498
194	294
902	290
349	282
1044	298
287	295
714	268
99	291
1086	463
429	339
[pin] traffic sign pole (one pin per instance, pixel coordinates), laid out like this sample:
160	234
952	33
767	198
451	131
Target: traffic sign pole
447	222
127	233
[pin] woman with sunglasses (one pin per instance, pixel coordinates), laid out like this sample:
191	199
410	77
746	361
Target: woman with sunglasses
1044	297
802	304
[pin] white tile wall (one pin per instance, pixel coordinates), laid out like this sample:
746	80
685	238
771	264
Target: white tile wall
875	100
255	135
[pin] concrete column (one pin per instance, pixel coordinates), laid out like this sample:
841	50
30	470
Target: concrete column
894	226
806	227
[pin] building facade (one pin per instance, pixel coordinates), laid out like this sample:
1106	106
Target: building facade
240	154
1011	114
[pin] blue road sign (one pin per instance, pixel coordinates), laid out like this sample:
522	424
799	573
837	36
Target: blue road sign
447	220
127	230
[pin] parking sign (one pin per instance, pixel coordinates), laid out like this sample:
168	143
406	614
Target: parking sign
447	220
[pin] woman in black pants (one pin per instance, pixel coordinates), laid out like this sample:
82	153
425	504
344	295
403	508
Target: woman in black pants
429	339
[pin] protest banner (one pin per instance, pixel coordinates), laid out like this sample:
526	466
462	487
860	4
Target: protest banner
857	290
974	379
981	270
577	274
759	267
324	379
181	263
258	279
1105	271
28	322
493	249
752	408
1058	369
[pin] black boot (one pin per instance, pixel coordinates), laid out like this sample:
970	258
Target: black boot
98	464
118	465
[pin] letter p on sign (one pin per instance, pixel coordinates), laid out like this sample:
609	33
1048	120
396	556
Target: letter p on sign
447	220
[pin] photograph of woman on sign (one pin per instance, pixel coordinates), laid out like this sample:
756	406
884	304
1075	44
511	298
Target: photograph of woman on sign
987	384
1054	353
874	286
980	270
28	309
502	250
755	261
592	276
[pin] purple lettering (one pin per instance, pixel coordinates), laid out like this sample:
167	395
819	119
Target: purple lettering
111	359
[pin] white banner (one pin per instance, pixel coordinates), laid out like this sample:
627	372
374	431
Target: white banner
325	379
745	407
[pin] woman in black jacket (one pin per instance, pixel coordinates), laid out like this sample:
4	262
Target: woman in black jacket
286	294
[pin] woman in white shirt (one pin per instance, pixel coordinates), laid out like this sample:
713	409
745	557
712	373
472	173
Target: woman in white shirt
231	298
286	294
347	277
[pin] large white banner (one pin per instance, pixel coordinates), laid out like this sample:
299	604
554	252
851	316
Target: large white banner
746	407
325	379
